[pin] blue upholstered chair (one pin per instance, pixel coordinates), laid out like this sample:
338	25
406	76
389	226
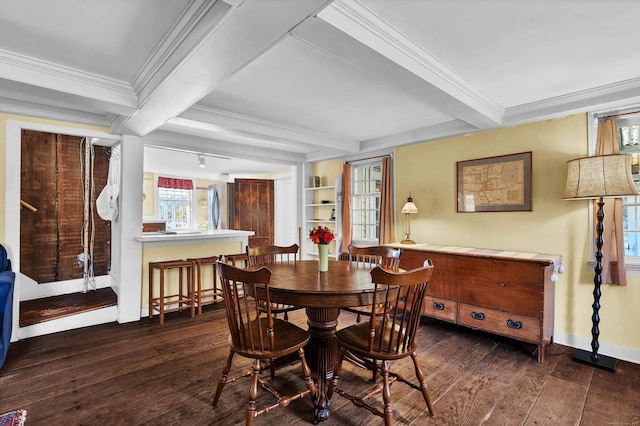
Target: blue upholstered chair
7	280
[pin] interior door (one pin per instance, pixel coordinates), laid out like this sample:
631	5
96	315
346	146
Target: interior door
254	209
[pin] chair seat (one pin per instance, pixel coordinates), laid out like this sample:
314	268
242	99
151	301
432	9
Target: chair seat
290	339
356	339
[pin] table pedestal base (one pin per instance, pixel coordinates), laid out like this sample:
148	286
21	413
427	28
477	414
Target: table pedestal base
321	353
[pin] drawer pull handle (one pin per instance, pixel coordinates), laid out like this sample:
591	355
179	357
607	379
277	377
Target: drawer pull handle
477	315
514	324
438	306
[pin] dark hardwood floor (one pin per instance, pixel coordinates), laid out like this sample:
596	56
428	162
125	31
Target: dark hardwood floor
49	308
145	374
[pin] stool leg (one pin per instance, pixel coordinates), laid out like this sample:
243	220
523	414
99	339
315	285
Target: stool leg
161	304
150	291
191	290
199	278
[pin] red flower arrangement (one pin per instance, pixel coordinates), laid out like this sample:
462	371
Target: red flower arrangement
321	235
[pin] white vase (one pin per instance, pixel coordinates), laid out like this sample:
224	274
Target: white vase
323	257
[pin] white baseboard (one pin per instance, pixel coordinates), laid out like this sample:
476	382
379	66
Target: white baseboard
619	352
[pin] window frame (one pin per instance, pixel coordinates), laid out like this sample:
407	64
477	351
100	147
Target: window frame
193	219
365	195
632	263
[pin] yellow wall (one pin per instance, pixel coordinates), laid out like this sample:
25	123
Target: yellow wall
554	226
3	157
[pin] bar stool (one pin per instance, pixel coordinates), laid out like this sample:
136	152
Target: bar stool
181	300
213	294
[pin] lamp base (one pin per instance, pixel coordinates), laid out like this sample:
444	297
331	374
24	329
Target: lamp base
603	362
407	241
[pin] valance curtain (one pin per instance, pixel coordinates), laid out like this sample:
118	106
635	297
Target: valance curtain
613	266
165	182
387	225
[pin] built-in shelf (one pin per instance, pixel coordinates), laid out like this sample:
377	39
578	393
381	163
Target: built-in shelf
314	210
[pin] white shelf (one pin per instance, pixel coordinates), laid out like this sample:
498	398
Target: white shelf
317	188
320	205
320	220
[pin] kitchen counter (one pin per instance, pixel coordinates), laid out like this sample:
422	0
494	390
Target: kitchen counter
166	238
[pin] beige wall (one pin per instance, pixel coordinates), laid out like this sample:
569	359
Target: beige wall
554	226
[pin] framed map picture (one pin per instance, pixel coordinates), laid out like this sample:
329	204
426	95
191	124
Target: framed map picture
494	184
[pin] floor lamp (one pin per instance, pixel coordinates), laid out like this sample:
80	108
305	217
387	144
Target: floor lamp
598	177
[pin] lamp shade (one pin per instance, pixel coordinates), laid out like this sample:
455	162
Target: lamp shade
599	176
409	207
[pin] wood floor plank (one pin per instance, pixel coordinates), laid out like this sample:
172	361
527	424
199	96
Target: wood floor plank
614	398
515	404
563	396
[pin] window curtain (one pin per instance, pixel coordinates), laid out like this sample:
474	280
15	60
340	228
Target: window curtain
165	182
346	207
387	225
613	267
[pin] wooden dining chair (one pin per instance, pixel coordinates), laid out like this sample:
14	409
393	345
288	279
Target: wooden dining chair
387	337
269	254
370	257
255	333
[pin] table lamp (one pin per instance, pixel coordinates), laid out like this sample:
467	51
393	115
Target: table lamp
408	209
598	177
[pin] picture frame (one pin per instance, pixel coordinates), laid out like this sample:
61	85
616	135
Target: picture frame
494	184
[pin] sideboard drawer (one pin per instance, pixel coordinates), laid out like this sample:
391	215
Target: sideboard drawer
505	286
498	322
442	309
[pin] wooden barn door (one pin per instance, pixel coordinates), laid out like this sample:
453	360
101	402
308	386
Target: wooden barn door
50	180
254	211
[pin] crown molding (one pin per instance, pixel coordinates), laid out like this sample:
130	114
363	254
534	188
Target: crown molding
10	106
356	20
53	76
607	96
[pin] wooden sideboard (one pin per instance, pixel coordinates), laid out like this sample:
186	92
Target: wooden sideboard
501	292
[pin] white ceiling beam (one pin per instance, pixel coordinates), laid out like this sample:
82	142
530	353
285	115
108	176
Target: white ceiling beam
221	147
438	84
244	126
243	34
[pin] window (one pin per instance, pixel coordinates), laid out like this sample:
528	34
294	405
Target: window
175	197
365	193
629	131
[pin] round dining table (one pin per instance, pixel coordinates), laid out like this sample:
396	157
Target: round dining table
322	294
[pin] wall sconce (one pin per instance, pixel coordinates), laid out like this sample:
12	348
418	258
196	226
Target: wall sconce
408	209
598	177
201	160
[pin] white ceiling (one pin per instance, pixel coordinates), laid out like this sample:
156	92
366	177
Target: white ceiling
279	82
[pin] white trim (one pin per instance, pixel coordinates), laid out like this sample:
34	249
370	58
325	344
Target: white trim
12	199
619	352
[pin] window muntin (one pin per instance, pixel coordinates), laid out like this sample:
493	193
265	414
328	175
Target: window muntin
365	206
175	207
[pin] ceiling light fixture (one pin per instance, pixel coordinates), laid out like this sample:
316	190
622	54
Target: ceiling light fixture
201	160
